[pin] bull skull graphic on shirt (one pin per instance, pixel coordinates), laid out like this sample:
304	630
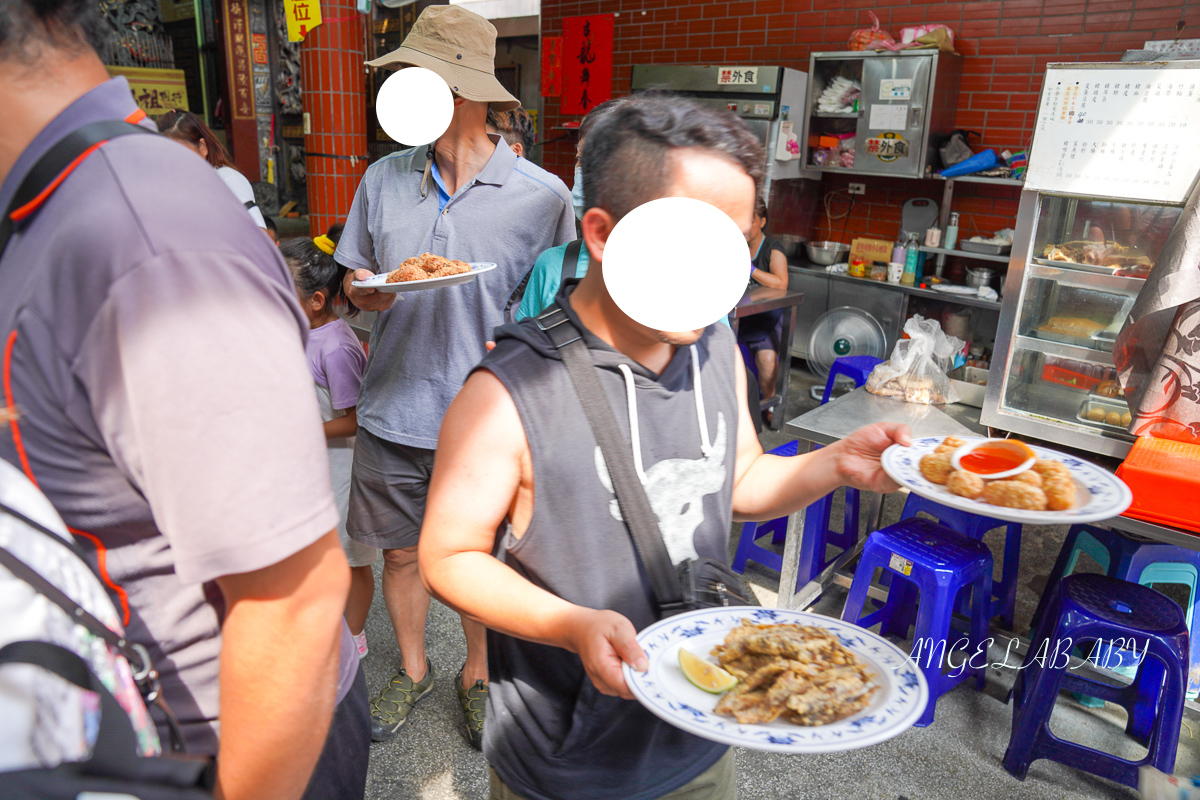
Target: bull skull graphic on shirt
676	488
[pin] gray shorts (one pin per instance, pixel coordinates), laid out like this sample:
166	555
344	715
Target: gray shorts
387	492
718	782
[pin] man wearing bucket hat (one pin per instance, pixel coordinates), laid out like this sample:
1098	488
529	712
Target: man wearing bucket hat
466	196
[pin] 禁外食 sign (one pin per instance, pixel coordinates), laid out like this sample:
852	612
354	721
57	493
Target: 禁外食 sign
156	91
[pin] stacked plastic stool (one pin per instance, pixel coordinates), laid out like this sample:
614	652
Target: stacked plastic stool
975	526
925	556
1083	607
1138	560
857	368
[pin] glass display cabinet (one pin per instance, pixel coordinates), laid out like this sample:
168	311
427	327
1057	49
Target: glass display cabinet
1105	188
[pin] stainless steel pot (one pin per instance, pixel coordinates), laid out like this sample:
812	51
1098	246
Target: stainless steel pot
978	277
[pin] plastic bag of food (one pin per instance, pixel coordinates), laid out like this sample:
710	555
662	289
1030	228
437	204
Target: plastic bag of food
916	372
863	38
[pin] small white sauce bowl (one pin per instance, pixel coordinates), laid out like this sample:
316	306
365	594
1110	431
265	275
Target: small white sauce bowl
1019	448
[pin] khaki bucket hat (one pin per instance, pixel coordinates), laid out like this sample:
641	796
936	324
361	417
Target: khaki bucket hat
460	46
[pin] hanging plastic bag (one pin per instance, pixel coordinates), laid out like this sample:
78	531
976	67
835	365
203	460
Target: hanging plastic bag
863	38
916	372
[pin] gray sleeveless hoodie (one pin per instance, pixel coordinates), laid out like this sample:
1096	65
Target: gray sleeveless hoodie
549	734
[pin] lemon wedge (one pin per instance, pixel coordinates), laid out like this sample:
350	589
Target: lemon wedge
705	675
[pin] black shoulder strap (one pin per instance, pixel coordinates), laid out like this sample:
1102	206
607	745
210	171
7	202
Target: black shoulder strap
631	495
570	261
57	159
249	204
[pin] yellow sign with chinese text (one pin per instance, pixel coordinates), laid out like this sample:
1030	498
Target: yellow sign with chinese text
302	17
156	91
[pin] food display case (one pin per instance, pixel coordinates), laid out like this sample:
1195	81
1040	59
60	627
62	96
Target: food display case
1110	169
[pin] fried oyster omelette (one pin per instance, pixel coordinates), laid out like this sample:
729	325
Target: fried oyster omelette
425	266
798	673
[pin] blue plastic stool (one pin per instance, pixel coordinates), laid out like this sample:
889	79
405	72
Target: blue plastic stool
930	557
1099	607
975	526
748	548
857	368
1138	560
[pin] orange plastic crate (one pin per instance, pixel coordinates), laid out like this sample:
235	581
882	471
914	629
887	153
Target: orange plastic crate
1165	478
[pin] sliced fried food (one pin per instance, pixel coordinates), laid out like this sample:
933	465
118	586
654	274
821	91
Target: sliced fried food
407	272
936	467
1015	494
1048	466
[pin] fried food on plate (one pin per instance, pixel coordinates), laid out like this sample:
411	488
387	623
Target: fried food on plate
425	266
407	272
1030	477
1048	466
935	467
965	484
1060	492
1014	494
800	673
949	445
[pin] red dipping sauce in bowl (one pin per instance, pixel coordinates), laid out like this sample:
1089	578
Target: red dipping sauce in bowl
994	458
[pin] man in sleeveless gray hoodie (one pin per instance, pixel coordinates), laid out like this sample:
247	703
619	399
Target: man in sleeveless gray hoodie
560	590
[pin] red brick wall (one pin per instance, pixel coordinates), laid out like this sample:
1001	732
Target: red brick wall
1006	45
335	95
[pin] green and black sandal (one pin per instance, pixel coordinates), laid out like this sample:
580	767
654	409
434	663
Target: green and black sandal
474	705
390	710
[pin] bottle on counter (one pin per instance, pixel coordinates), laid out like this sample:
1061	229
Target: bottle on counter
911	254
899	250
951	237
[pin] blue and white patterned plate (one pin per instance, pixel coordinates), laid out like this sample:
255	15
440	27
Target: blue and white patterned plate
664	690
380	284
1099	494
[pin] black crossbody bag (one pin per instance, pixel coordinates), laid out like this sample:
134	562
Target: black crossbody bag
695	583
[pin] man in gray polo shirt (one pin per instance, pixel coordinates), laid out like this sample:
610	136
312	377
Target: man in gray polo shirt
466	197
152	351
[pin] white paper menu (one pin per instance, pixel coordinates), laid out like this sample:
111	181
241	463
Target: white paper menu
1127	131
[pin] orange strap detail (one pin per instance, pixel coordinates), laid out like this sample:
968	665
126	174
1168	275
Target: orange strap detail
136	117
101	550
27	209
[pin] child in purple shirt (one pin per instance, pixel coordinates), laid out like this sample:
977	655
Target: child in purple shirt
337	362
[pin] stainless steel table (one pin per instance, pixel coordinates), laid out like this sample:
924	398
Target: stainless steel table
763	298
836	420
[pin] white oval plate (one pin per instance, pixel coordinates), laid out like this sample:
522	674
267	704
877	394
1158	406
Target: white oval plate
380	284
664	690
1099	494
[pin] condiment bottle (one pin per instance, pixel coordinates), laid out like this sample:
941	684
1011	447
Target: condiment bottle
952	231
910	261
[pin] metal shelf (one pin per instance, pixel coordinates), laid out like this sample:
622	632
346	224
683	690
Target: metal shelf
834	115
983	179
1073	351
963	254
1064	273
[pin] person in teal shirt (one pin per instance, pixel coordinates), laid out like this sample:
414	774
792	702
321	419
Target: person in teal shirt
546	278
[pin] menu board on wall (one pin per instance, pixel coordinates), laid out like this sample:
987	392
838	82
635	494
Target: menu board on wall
1118	130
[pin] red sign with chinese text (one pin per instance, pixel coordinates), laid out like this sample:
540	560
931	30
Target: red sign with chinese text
587	62
237	47
552	48
259	47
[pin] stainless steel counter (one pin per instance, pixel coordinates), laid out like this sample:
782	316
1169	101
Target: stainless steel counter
945	297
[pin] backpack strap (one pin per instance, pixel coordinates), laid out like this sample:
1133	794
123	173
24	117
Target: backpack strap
570	261
636	510
53	168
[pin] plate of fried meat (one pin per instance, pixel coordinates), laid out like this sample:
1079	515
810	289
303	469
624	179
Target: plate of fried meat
1007	479
426	271
796	682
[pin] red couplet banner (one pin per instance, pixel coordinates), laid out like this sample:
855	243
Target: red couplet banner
587	62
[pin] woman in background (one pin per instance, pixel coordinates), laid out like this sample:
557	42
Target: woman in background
190	131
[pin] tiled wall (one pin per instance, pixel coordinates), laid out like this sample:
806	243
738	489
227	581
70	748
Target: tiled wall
334	98
1006	45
